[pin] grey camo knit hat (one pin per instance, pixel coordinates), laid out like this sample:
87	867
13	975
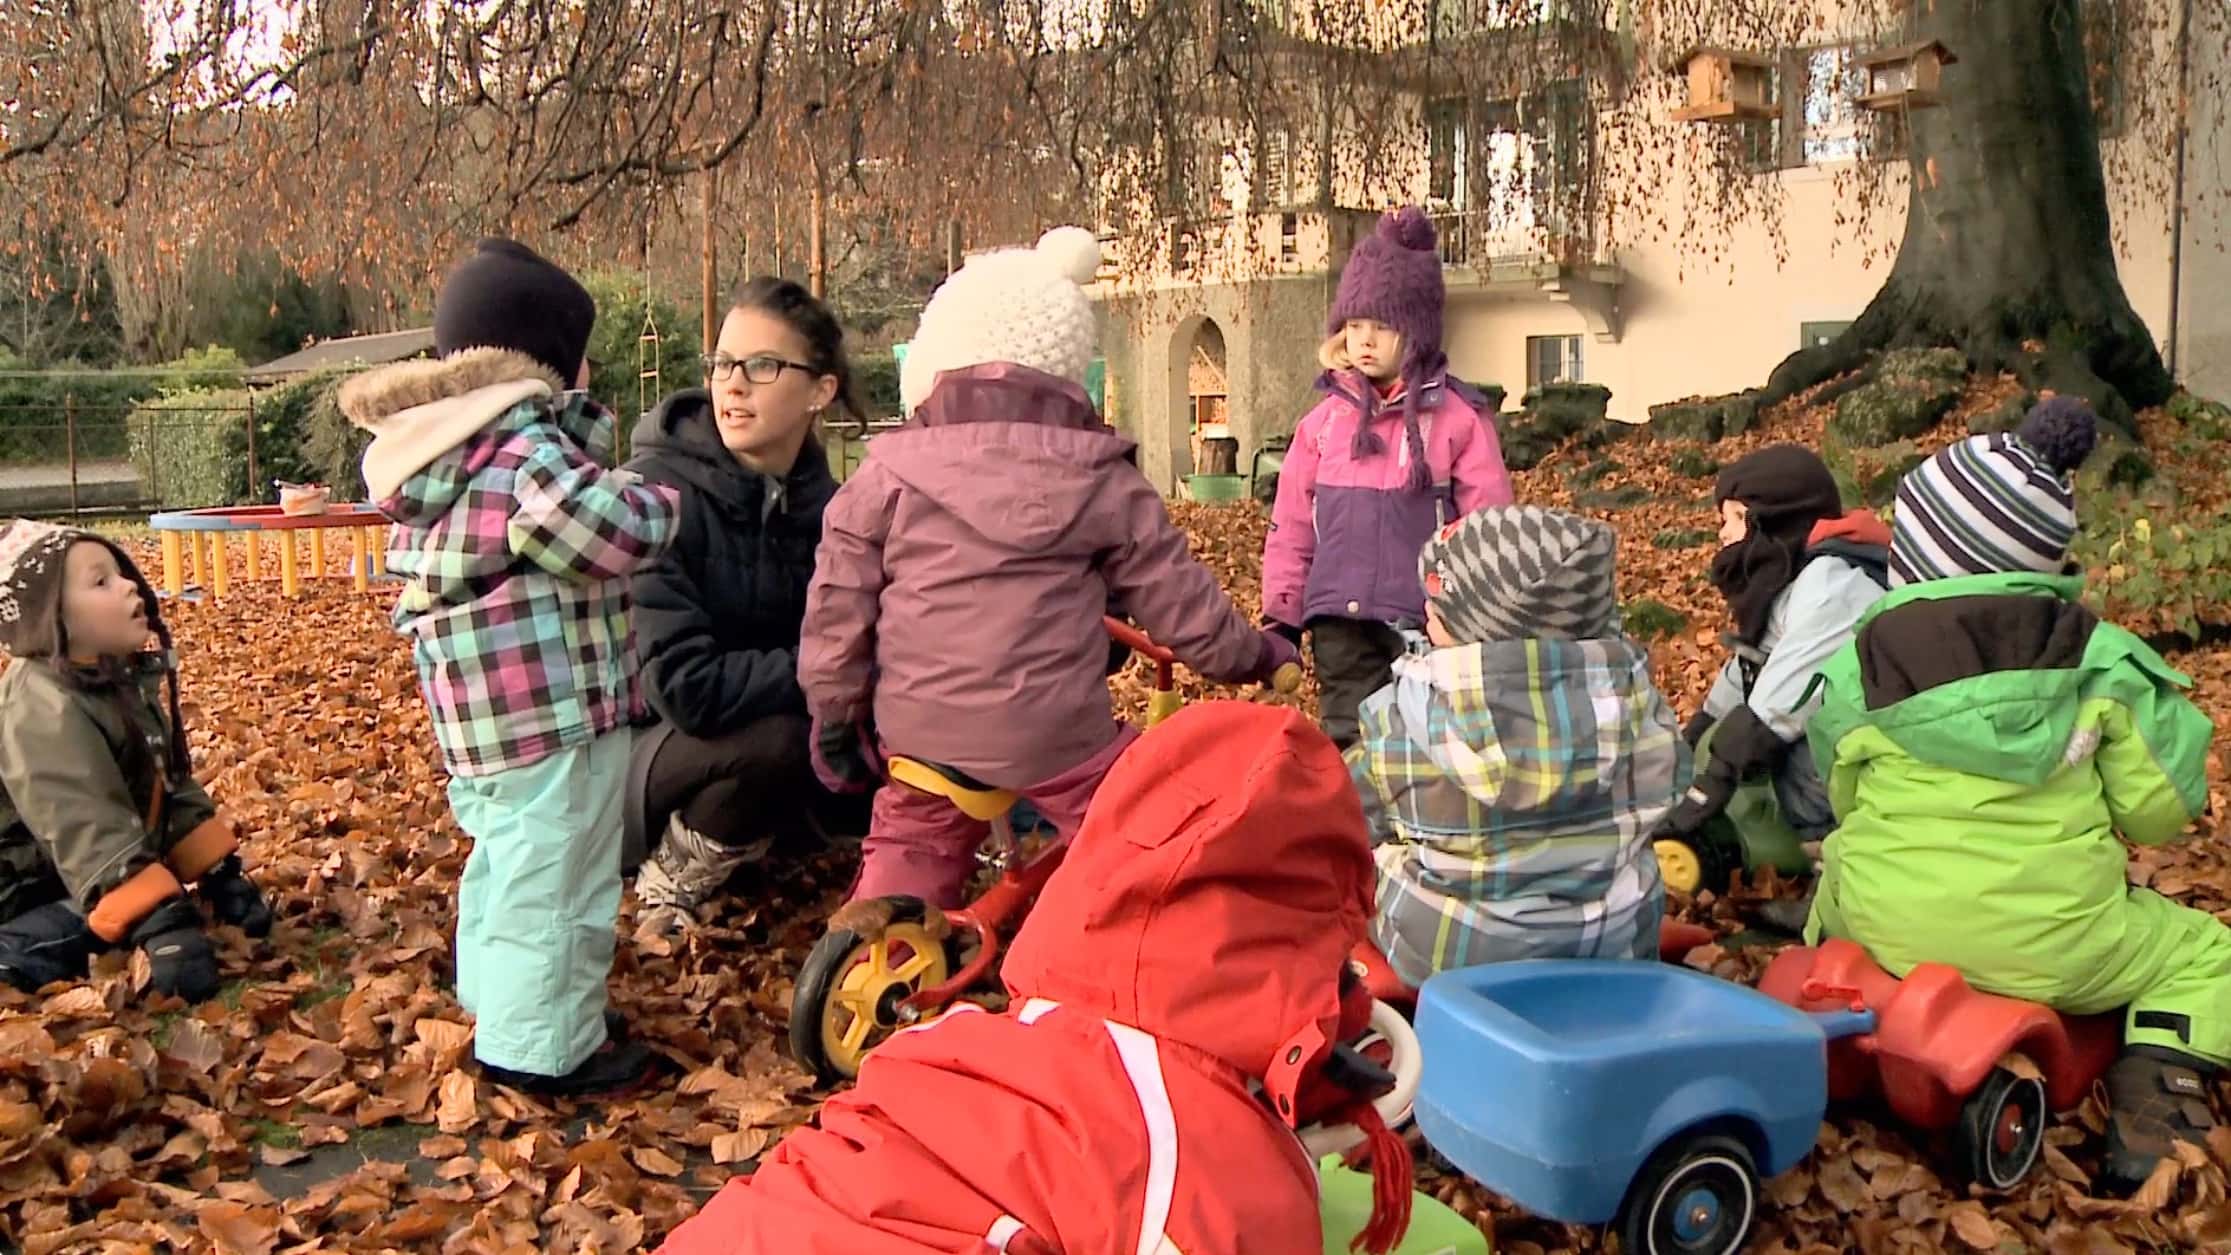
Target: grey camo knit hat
1522	571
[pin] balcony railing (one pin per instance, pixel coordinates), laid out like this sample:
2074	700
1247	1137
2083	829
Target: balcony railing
1241	247
1232	247
1488	242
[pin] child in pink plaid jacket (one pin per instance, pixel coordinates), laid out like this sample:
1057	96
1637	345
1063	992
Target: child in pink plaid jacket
517	542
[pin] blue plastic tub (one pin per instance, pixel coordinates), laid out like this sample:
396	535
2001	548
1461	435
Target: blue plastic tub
1553	1081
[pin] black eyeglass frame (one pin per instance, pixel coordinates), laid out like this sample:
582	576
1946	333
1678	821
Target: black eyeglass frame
769	367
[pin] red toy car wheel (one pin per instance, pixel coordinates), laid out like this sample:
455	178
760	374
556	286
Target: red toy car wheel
2002	1130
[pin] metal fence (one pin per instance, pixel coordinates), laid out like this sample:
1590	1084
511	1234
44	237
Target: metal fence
847	442
87	459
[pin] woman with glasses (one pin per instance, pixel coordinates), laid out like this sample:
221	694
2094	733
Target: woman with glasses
728	771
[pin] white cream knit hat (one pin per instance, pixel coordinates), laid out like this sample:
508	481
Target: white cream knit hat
1020	305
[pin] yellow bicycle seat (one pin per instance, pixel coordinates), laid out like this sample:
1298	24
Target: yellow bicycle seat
975	799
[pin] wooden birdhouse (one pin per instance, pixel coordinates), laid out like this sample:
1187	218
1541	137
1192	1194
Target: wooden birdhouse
1727	86
1905	78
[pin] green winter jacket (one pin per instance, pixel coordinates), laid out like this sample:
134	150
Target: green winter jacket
1984	739
75	795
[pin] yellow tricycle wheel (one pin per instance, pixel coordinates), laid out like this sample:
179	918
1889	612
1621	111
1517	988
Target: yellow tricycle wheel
1678	865
848	994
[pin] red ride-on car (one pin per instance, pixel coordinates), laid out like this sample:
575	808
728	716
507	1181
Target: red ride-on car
1944	1056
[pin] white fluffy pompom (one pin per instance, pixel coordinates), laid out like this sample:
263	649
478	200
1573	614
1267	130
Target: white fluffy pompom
1071	251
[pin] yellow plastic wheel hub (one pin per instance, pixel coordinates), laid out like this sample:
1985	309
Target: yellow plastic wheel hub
863	1008
1678	865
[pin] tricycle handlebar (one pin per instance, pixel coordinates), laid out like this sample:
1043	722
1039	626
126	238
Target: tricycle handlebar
1139	642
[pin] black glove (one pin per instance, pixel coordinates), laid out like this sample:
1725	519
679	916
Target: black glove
1693	731
182	960
1119	656
1707	796
845	758
1287	630
234	899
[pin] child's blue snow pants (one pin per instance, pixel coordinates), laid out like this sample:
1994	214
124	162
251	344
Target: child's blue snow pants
540	901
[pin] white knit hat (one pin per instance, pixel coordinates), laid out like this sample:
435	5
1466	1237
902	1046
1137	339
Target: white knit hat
1020	305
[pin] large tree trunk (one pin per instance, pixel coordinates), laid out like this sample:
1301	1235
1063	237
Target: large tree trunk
2007	253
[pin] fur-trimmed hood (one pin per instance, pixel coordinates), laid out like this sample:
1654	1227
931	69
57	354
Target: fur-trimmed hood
418	411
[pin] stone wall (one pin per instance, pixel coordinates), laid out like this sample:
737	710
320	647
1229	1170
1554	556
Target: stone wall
1271	327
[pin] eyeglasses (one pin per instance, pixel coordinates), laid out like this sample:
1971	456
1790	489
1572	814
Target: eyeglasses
761	368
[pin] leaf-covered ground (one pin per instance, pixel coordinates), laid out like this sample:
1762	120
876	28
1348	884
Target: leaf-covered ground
323	1101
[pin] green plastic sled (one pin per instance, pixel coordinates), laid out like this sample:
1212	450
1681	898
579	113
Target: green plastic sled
1344	1201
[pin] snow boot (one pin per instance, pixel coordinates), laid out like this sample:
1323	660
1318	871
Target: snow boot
616	1065
1785	915
687	868
2156	1097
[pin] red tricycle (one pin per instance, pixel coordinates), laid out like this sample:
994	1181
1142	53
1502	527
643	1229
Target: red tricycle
853	991
1943	1056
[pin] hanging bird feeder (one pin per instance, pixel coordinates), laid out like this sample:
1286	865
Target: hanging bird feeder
1905	78
1726	86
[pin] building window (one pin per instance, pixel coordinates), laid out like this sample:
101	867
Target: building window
1835	126
1447	160
1185	248
1812	335
1289	237
1552	359
1276	170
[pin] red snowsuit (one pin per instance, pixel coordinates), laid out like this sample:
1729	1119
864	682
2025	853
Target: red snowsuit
1192	943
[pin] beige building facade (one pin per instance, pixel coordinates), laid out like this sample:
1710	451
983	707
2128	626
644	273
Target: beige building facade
1663	300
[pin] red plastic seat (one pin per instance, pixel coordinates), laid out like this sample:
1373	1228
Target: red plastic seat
1936	1038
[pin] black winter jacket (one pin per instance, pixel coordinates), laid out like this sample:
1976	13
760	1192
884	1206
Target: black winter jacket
717	618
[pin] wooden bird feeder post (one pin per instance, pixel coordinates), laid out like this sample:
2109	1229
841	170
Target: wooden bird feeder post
1726	86
1911	77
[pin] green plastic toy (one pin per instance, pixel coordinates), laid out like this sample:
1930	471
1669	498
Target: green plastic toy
1748	835
1344	1201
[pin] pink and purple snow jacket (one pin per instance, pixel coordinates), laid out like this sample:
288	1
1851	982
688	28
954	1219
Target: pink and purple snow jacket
964	569
1345	534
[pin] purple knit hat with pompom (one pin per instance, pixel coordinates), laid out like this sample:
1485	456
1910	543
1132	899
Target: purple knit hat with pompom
1394	277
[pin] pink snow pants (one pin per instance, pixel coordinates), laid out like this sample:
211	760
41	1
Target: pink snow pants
922	845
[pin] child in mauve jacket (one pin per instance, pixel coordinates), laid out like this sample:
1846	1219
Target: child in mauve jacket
517	543
1512	775
1797	571
1177	987
1395	450
956	608
102	825
1987	738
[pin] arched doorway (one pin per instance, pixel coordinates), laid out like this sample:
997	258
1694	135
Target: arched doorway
1213	447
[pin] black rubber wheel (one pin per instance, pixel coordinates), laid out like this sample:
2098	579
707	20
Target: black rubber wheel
1696	1196
831	1051
2001	1130
1721	851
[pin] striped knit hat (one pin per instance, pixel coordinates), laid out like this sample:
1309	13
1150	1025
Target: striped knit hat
1993	504
1515	572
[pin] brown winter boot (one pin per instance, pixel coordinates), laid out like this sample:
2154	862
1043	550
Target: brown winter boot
2156	1097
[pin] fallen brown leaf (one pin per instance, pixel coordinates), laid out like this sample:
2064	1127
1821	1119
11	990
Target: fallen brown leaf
239	1229
737	1147
459	1109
